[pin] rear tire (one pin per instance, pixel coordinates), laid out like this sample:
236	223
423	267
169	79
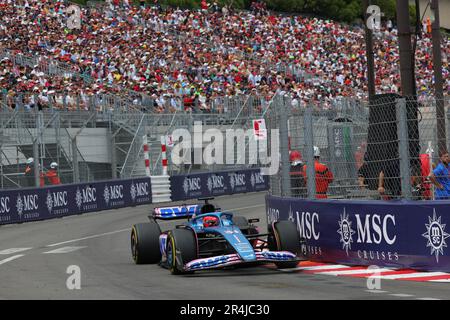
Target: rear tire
284	237
145	243
185	242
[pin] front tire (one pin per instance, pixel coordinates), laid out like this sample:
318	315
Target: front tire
284	237
145	243
181	249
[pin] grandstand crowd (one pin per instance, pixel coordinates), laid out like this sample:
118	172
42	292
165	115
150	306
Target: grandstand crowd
189	60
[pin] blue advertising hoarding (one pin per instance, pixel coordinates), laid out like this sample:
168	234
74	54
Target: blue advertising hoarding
33	204
397	234
214	184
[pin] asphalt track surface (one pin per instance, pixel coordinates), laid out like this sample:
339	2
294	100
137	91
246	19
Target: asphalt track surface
34	258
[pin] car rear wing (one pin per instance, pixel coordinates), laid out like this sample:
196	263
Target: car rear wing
176	212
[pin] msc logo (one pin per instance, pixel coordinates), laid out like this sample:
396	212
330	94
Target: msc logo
375	229
113	193
191	184
27	203
272	215
86	195
142	189
4	205
307	225
346	232
116	192
237	180
215	182
56	199
436	235
256	178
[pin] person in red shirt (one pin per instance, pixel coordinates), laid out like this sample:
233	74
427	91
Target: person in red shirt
29	174
52	174
323	175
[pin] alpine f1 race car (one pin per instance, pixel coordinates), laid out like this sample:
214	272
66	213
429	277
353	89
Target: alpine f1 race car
212	239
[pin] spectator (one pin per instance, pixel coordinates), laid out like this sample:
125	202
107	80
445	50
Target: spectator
52	175
140	51
29	174
323	175
440	177
389	182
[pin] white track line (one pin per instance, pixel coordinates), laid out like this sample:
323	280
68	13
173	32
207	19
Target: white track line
11	259
443	280
64	250
401	295
427	299
323	268
377	291
410	275
351	272
314	268
90	237
13	250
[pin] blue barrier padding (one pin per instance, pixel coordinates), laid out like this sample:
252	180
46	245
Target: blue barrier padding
33	204
215	184
397	234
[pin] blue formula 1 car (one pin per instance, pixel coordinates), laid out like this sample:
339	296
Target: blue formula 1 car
212	239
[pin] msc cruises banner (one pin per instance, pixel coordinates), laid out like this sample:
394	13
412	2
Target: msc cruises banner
214	184
398	234
23	205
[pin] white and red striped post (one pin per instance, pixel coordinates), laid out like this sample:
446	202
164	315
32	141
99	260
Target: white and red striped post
146	155
164	155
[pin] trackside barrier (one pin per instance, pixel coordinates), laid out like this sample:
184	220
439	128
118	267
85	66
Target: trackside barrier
397	234
161	189
24	205
33	204
213	184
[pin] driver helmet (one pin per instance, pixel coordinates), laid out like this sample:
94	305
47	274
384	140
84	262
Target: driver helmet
53	165
210	221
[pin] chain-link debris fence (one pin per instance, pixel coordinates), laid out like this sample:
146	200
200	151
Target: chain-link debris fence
384	150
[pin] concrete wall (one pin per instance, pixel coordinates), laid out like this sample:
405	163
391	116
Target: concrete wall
92	143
